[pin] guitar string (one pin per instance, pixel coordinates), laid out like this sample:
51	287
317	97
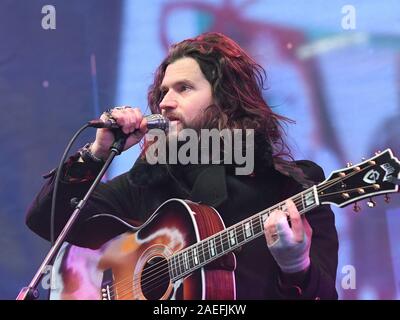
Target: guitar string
165	270
125	293
162	263
218	246
348	190
334	181
150	286
256	216
156	278
159	264
154	283
179	261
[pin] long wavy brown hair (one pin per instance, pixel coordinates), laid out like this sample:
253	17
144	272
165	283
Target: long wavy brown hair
237	83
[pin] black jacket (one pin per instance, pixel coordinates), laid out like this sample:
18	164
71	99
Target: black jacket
137	193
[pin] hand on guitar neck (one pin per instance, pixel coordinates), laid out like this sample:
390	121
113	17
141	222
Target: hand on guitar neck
288	239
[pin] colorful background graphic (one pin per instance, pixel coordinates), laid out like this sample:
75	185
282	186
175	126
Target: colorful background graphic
340	85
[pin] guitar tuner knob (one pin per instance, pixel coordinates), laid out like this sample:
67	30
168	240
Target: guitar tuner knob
376	186
363	159
349	164
386	198
356	207
371	203
378	152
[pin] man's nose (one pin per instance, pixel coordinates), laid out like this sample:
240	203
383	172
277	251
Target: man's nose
169	101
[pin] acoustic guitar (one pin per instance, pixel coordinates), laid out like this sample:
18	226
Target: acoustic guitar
184	251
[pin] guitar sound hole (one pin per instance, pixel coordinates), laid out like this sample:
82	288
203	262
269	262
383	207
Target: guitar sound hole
155	278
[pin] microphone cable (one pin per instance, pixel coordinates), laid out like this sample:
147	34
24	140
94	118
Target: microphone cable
57	179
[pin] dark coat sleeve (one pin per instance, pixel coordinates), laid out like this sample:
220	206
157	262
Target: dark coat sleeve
87	231
321	279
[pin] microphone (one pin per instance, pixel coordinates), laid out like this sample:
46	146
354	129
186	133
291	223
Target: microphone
154	121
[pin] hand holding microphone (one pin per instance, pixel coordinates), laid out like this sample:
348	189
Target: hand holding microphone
130	121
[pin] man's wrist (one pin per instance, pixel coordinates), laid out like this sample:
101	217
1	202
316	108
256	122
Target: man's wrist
98	153
77	170
87	155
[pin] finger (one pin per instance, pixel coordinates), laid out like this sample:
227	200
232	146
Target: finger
270	226
296	222
135	118
125	118
139	117
143	127
131	119
125	125
270	231
270	222
278	217
118	112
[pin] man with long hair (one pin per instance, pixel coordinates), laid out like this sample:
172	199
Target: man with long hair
209	82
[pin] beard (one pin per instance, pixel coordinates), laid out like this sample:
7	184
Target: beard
178	122
176	131
207	119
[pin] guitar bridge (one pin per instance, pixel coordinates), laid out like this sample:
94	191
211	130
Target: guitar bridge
107	285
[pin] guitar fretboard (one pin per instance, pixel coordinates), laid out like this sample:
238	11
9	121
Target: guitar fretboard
199	254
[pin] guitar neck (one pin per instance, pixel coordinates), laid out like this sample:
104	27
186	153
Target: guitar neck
202	253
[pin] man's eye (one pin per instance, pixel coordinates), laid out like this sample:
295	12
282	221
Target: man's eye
184	87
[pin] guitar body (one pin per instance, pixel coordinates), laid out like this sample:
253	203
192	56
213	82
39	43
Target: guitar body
183	251
134	265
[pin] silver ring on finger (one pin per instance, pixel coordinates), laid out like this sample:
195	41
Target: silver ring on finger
110	110
121	108
108	114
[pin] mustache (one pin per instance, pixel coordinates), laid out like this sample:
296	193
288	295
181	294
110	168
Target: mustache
173	116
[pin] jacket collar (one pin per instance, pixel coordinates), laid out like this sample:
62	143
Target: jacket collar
208	188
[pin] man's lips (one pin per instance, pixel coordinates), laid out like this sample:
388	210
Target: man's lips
173	119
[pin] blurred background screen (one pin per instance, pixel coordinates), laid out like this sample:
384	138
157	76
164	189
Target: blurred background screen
332	66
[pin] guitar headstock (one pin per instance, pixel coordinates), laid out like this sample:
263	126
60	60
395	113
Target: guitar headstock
377	175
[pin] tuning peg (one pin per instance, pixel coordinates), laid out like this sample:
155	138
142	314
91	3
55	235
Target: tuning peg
363	159
349	164
371	203
386	198
376	186
377	152
345	195
361	190
356	207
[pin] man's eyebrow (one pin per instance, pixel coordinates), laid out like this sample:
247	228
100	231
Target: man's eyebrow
177	83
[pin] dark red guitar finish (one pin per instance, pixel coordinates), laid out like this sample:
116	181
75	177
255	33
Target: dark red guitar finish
134	265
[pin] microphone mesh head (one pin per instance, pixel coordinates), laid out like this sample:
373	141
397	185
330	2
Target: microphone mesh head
157	121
